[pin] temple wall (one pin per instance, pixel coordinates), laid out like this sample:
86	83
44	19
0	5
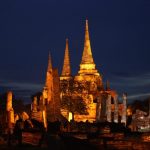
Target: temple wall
91	117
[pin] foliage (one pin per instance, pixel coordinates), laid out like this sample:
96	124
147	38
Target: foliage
74	104
72	99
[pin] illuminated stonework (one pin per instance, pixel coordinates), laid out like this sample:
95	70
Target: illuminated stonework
82	96
116	109
124	110
87	66
88	85
10	111
47	91
66	71
140	121
9	101
108	108
47	107
34	105
89	79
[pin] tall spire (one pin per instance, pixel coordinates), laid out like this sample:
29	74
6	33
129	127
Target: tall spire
48	88
49	70
87	57
66	71
49	67
87	65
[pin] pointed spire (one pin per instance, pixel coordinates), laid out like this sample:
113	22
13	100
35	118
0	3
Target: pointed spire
49	71
49	67
87	65
87	57
66	71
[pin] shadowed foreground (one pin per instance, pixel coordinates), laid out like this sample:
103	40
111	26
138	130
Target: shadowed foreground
72	143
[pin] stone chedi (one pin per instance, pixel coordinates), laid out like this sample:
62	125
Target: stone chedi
51	93
88	71
66	70
86	86
48	106
89	77
48	88
87	65
53	108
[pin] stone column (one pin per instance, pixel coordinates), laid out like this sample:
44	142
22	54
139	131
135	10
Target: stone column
98	109
9	109
34	105
41	101
108	108
116	109
16	117
124	109
9	101
45	95
11	118
103	108
44	119
10	113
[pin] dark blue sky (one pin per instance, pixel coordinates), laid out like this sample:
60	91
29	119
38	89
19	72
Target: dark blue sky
120	40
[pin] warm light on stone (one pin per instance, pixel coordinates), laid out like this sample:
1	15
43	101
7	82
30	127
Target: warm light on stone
44	119
129	112
47	91
9	101
70	116
124	110
12	117
87	86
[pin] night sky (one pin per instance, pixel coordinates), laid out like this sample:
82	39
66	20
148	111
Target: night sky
119	33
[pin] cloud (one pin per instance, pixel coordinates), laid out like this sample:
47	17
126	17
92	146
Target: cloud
24	86
140	95
137	86
20	89
132	80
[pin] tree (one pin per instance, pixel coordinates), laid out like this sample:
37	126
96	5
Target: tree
72	96
74	105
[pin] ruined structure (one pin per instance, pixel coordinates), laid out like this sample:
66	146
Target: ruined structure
10	119
84	85
83	96
88	86
124	109
140	121
108	110
36	110
53	108
48	88
48	106
89	78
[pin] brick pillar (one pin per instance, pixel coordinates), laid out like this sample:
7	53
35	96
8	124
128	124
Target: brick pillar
108	108
124	109
116	109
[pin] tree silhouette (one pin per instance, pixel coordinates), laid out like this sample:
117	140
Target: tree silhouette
74	105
